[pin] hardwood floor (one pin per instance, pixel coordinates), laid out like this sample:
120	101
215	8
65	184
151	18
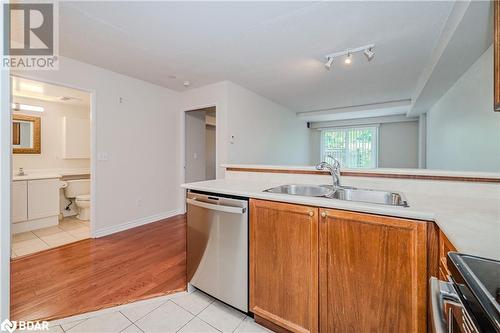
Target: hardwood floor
92	274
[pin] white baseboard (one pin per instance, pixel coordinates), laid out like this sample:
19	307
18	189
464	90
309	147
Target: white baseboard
136	223
35	224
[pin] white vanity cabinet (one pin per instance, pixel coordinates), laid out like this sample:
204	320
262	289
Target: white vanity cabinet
19	201
35	204
43	198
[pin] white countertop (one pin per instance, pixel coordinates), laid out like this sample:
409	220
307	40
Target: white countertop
48	174
471	223
35	176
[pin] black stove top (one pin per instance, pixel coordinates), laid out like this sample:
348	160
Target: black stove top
478	280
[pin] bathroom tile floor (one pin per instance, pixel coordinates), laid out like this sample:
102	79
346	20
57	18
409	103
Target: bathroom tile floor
69	230
181	312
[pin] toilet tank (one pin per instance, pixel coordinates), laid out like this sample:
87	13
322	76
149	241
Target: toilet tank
77	187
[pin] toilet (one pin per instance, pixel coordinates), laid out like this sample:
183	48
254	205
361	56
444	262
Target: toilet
79	191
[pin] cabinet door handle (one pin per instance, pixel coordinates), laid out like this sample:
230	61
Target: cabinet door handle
311	213
323	214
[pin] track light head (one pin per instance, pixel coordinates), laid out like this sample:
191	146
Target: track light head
348	59
329	63
369	54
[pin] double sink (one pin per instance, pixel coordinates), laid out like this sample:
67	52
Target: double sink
343	193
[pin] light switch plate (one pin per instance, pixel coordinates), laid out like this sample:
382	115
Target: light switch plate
102	156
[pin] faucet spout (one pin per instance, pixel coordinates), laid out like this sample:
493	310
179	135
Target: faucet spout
333	169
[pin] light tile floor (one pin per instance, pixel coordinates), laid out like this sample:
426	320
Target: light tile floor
69	230
181	312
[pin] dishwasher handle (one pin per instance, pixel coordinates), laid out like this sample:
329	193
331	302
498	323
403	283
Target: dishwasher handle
219	208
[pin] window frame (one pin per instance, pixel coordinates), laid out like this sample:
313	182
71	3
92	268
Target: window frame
375	141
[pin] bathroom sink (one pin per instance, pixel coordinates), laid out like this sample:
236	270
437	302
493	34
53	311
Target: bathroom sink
370	196
343	193
303	190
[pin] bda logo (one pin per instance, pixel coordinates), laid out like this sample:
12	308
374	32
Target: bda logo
8	325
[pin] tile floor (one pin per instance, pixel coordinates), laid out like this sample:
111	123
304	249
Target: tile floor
182	312
69	230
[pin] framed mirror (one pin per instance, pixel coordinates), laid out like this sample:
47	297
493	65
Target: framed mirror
26	134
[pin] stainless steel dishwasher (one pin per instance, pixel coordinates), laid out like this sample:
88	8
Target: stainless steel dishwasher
217	247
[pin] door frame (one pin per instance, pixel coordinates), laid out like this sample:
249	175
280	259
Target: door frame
5	190
93	142
183	143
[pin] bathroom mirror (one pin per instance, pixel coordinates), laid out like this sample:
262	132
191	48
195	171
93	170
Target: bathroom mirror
26	134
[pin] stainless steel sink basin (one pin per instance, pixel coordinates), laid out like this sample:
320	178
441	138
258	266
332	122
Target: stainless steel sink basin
304	190
370	196
343	193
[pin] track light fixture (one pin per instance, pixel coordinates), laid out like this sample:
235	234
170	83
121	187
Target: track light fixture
369	54
367	51
329	63
348	60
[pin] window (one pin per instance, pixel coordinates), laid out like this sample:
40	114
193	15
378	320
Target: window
354	147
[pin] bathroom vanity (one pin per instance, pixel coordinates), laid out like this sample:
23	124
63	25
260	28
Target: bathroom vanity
35	203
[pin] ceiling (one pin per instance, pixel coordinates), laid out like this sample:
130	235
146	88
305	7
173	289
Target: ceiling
48	92
275	49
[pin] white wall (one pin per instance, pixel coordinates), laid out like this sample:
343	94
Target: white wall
264	132
422	141
314	146
195	162
51	136
210	95
398	145
463	132
137	125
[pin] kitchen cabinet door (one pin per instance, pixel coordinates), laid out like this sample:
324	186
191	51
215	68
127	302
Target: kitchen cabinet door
445	246
19	201
43	198
284	264
373	273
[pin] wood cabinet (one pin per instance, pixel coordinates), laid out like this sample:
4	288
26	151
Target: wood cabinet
373	273
445	246
327	270
19	201
284	264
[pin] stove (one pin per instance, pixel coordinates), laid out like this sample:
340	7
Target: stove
470	301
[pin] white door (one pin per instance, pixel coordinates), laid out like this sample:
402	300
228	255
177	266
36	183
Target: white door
19	201
43	198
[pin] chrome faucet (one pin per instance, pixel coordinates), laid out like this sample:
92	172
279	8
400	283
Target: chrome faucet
334	170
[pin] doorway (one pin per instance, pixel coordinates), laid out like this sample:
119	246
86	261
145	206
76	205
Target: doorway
200	146
51	163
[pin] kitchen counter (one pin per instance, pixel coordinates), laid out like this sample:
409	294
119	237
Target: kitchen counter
472	223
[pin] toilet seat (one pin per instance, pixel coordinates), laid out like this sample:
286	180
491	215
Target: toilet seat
83	197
